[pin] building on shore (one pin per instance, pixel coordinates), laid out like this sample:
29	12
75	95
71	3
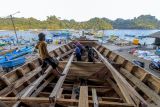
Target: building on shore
157	38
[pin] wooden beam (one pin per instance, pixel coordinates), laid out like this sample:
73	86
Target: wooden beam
94	97
73	102
59	84
66	53
60	93
150	93
83	98
55	53
7	82
65	102
62	51
67	48
34	85
115	87
38	81
124	86
42	86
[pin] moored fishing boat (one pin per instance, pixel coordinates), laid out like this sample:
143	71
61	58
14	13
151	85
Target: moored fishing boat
13	63
127	35
111	81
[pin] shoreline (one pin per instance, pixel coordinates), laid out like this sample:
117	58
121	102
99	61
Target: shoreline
130	57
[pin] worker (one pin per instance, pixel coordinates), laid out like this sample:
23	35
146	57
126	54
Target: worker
47	59
78	53
81	47
90	54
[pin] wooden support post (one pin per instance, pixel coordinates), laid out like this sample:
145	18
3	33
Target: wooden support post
102	51
59	84
19	72
94	97
67	48
99	47
8	83
83	98
124	63
115	58
62	51
31	66
150	93
134	69
108	54
145	76
124	86
55	53
70	45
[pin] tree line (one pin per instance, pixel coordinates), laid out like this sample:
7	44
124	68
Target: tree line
54	23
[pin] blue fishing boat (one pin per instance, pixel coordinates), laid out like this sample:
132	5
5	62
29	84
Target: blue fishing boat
126	35
15	54
61	33
13	63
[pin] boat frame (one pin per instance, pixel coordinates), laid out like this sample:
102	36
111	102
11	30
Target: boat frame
126	84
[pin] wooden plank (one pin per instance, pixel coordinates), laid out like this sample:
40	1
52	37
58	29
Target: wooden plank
60	93
124	86
42	86
94	97
150	93
83	98
59	84
34	85
115	87
37	82
61	101
66	53
7	82
24	79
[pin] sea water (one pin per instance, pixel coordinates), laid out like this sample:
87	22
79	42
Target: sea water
122	33
28	35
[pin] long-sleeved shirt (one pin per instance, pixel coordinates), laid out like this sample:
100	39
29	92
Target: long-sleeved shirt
42	47
78	51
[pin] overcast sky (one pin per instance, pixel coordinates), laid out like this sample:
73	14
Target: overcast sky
80	10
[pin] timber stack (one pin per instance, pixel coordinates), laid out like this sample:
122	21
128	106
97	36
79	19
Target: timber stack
112	81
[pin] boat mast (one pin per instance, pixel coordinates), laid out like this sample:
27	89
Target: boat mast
11	16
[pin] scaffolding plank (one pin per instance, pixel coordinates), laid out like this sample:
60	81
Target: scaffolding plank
59	84
83	99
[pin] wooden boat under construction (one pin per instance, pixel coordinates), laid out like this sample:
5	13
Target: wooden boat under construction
112	81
